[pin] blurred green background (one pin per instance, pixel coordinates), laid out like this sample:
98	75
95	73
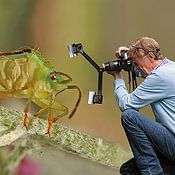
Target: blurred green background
101	26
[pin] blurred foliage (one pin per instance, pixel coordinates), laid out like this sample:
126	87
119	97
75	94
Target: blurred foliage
14	24
10	157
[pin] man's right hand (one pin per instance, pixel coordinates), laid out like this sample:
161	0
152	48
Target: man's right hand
119	50
115	74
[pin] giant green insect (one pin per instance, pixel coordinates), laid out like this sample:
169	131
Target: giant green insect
28	74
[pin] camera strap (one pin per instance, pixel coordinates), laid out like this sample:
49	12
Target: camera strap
132	79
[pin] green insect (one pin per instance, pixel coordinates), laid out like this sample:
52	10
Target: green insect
27	74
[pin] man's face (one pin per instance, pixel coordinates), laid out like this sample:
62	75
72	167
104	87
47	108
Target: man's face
144	63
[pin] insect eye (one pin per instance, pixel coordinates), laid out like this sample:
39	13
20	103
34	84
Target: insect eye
53	75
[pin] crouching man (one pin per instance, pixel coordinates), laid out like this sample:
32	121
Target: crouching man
152	142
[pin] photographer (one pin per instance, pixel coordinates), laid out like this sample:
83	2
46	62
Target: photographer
152	142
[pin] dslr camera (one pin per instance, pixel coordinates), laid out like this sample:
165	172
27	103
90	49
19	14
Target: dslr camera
123	62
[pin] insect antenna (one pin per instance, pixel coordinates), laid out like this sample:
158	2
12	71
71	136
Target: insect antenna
16	51
78	101
65	81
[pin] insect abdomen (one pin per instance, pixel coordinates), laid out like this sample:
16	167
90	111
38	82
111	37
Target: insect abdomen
13	74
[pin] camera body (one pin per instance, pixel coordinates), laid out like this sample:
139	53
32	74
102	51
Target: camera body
123	62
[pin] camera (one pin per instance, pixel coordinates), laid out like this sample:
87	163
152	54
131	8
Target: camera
123	62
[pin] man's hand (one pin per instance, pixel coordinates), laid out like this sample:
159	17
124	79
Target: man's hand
119	50
115	74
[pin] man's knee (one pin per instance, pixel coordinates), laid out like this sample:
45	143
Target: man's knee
128	116
129	167
124	169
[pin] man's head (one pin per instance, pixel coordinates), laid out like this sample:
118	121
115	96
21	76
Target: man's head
145	53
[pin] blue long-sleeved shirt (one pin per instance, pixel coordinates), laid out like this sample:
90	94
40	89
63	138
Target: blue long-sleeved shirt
158	90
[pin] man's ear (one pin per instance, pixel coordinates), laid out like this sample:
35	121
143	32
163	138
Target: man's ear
151	55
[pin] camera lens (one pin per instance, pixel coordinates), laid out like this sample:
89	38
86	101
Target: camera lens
111	66
105	66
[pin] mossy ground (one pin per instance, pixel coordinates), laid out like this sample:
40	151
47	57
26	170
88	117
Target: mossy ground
16	141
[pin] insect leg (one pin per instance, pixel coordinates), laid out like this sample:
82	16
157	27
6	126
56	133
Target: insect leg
42	104
55	106
45	106
50	121
26	111
78	100
38	113
59	108
50	105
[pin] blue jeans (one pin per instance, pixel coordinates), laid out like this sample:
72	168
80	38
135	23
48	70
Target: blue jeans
152	144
